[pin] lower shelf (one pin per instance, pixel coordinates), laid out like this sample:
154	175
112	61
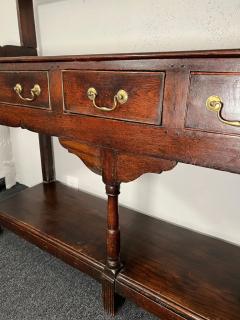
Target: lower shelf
170	271
67	223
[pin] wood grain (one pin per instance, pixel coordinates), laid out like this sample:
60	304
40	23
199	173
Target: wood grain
205	54
26	23
191	274
27	80
53	217
171	271
14	51
145	94
172	141
204	85
28	39
47	158
127	166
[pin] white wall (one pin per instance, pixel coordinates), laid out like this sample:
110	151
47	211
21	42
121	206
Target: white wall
7	168
198	198
10	35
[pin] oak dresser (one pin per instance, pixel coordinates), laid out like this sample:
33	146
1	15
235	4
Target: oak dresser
125	115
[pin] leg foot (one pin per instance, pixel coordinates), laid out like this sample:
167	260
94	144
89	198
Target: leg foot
1	229
111	300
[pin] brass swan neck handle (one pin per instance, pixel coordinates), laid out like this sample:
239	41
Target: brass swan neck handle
215	104
35	92
120	98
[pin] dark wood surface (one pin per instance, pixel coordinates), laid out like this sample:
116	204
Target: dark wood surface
61	220
25	12
14	51
27	80
145	94
126	167
218	53
47	158
172	272
113	261
28	39
204	85
172	140
193	274
178	273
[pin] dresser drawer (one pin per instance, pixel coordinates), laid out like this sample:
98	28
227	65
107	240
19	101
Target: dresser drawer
131	96
25	88
214	102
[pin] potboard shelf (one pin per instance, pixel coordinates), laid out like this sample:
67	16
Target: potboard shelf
176	270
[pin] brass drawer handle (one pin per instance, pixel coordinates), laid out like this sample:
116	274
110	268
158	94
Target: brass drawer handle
121	97
215	103
35	92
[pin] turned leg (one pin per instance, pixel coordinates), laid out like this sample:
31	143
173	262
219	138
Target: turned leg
110	299
113	232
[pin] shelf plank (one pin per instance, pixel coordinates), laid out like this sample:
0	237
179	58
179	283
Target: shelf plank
230	53
15	51
61	220
194	275
171	271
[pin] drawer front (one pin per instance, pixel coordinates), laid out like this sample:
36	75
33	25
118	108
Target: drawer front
143	92
25	88
213	103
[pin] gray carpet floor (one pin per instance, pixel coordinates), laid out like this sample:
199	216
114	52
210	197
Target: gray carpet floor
37	286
